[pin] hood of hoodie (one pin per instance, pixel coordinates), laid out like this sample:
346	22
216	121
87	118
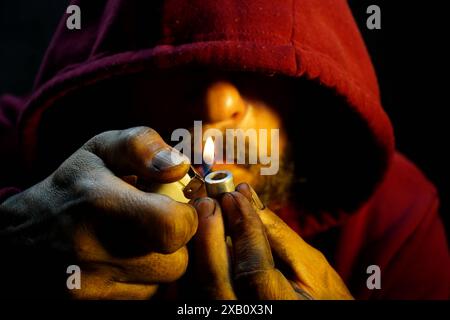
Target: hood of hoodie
315	40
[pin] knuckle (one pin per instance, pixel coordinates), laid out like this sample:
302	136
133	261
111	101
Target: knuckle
178	227
91	189
182	262
64	177
319	255
238	225
178	262
158	267
97	198
245	225
128	139
71	172
274	224
135	141
135	136
239	197
98	140
84	182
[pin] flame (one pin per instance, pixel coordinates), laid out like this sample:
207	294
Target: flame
208	151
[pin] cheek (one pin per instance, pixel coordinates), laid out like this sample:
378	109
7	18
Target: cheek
260	116
257	117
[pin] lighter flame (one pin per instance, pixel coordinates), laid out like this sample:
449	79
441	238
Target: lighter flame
208	151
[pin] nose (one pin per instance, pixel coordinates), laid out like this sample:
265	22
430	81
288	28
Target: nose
223	103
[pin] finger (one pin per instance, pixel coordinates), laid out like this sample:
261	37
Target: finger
311	270
279	234
211	261
246	190
255	274
252	196
288	245
100	286
139	151
130	221
250	245
147	269
308	266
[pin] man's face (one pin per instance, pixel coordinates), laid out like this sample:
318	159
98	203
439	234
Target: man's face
220	102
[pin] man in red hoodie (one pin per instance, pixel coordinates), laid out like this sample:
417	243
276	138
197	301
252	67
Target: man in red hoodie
298	66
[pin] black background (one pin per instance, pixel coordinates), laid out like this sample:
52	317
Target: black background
408	53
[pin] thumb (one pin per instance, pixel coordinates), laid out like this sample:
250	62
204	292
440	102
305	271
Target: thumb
139	151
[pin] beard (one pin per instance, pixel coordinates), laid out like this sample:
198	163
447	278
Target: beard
275	190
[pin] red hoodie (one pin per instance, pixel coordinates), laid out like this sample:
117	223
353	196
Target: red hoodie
395	224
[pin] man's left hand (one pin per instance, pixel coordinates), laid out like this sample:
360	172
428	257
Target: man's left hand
246	268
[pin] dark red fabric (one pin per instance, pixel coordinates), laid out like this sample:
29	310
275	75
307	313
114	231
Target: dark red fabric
397	228
10	110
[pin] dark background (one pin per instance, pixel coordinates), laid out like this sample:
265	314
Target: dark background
407	52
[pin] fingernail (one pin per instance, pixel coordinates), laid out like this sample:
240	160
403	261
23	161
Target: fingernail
168	158
258	204
205	206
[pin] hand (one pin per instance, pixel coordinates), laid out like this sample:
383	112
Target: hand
125	241
249	271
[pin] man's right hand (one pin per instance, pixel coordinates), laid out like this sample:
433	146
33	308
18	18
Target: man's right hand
125	241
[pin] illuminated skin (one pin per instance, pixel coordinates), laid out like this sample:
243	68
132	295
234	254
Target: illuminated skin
215	100
255	231
221	104
226	108
154	229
